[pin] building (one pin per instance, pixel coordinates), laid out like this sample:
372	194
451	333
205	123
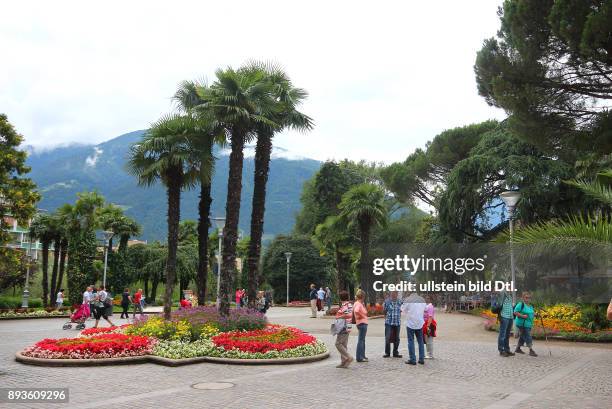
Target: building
20	238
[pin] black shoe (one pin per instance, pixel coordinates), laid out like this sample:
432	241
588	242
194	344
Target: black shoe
510	353
532	352
386	356
397	356
410	362
518	350
422	362
504	354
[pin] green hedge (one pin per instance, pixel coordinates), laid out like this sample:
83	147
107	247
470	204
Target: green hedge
9	303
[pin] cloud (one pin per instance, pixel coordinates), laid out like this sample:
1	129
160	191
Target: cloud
383	78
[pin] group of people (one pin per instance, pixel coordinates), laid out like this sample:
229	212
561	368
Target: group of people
318	298
263	301
521	315
419	320
100	304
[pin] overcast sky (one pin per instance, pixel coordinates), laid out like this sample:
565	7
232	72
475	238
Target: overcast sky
384	77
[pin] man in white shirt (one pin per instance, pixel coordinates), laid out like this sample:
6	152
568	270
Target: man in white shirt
413	309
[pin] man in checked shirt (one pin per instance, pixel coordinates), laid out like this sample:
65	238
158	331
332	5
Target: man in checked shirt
392	307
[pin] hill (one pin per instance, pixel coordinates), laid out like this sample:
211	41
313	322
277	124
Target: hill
64	171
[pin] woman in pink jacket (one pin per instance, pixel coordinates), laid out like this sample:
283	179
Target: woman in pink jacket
361	318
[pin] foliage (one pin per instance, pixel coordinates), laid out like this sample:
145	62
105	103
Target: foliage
307	266
272	338
550	69
594	318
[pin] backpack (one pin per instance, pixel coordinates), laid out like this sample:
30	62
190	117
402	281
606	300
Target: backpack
496	307
338	326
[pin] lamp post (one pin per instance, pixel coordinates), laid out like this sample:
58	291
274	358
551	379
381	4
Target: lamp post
107	236
26	292
511	198
288	255
220	223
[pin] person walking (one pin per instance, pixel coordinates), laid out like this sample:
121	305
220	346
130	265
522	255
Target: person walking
102	302
345	311
328	299
87	300
392	307
59	300
126	300
137	303
313	301
430	327
505	324
524	313
414	309
361	319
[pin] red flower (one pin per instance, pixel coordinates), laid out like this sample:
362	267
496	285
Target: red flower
272	338
97	346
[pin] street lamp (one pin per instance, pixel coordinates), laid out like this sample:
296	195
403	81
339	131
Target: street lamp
26	292
220	224
511	198
107	236
288	255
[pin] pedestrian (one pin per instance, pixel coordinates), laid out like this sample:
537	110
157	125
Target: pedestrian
137	303
238	298
345	311
361	319
87	300
414	309
392	307
505	324
92	291
59	300
430	327
102	302
260	302
328	299
524	313
126	300
320	298
313	301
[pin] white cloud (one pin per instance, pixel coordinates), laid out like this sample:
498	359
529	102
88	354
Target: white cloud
93	158
383	77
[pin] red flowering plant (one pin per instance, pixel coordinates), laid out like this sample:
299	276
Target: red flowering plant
271	338
104	330
94	347
375	310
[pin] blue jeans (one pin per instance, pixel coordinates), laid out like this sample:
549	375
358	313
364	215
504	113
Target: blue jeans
525	337
503	340
418	333
363	329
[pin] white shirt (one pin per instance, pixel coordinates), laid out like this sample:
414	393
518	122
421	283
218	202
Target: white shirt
413	309
60	297
321	294
87	296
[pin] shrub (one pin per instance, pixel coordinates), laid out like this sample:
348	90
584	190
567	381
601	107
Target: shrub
238	319
10	303
594	318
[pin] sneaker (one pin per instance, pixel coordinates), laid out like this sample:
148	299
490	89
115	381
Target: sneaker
397	356
532	353
428	357
519	350
410	362
386	356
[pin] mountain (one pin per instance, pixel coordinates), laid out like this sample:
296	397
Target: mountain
62	172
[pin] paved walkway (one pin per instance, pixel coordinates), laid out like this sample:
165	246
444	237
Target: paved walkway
467	373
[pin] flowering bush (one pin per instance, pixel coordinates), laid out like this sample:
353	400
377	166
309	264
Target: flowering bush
157	327
264	340
375	310
33	313
104	330
98	346
238	319
567	312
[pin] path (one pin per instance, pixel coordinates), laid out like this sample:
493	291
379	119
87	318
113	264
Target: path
467	373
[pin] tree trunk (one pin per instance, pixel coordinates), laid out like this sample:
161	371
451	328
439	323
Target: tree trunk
154	284
174	215
56	253
45	272
146	287
364	230
62	263
110	246
342	263
203	226
232	217
263	151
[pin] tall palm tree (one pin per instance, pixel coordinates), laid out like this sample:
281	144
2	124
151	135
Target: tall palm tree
239	100
59	234
163	155
187	99
43	229
364	206
332	236
285	115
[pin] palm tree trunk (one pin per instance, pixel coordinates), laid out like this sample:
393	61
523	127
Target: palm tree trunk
62	262
203	226
154	284
232	217
45	272
263	151
110	246
364	230
174	215
56	253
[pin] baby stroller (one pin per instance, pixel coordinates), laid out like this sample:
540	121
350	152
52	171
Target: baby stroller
79	316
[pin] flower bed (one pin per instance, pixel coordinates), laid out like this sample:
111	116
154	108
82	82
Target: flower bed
268	339
94	347
104	330
23	313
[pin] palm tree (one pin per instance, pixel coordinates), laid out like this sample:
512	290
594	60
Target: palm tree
59	235
163	155
43	229
239	100
286	116
364	206
187	99
332	236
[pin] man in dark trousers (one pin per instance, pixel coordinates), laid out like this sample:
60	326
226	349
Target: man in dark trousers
393	313
313	301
